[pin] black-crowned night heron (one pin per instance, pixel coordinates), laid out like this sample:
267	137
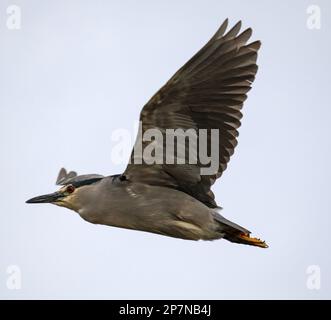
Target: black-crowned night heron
174	199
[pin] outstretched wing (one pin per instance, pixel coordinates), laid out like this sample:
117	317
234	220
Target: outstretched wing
63	177
206	93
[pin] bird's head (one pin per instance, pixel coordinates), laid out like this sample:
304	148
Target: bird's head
69	193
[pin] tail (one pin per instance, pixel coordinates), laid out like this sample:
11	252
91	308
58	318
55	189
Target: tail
235	233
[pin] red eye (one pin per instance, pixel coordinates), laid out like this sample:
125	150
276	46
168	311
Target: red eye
70	189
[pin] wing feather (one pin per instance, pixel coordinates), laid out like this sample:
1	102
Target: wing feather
208	92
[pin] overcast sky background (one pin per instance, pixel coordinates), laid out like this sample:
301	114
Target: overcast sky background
77	70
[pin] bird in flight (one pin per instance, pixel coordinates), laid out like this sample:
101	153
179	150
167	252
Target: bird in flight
167	197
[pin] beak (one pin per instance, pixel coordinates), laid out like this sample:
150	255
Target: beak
47	198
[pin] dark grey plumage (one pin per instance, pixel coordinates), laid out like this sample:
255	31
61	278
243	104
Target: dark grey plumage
171	199
206	93
72	178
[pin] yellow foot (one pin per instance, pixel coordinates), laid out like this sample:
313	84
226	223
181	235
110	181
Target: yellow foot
253	241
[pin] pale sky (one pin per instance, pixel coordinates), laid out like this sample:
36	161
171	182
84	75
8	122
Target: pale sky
78	70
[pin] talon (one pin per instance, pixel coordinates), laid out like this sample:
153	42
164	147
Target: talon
253	241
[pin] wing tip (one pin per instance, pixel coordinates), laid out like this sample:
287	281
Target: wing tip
255	45
64	175
221	30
